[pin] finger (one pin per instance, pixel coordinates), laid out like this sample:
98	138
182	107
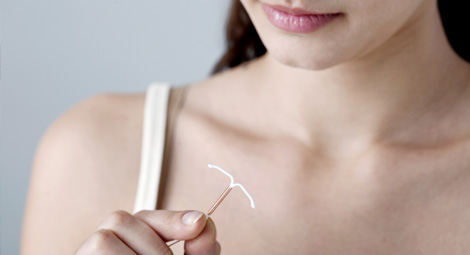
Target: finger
171	225
205	242
104	242
140	237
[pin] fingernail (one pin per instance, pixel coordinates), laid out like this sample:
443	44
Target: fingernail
192	217
219	248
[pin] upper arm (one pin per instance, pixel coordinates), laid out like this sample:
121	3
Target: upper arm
85	167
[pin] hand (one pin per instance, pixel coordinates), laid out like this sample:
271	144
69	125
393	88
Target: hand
147	232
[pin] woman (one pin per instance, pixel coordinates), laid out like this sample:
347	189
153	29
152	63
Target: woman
350	132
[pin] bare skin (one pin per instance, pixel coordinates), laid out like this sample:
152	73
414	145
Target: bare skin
367	157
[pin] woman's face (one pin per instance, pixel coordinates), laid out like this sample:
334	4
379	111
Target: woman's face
318	42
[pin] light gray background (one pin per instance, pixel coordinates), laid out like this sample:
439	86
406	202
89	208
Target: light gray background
56	53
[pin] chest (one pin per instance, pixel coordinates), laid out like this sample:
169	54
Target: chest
392	203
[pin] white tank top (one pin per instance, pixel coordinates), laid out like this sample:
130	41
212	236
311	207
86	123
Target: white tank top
153	145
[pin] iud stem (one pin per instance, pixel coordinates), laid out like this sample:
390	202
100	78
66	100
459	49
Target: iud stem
221	198
213	207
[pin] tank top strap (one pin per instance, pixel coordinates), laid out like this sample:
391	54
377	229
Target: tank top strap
162	104
153	140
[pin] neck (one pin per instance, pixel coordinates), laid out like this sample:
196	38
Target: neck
375	97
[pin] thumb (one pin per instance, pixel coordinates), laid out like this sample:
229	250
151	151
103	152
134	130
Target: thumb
174	225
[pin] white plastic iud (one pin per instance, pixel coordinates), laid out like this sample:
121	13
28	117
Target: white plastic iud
224	194
229	188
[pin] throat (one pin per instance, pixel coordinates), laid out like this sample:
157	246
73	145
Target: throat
364	104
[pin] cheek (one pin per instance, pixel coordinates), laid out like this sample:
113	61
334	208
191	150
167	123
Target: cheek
378	23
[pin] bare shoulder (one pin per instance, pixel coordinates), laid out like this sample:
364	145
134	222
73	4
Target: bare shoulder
85	167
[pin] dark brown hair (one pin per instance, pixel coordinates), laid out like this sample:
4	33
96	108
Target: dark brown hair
243	42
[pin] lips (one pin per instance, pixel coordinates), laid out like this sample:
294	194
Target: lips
293	11
296	20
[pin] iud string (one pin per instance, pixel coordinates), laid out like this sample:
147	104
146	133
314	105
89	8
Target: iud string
224	195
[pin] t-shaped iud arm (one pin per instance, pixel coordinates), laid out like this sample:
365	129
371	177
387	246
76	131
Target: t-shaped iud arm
224	194
229	188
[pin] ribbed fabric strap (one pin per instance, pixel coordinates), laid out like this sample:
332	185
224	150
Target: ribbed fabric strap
153	141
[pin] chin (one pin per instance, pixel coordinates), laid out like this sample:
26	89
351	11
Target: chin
306	61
